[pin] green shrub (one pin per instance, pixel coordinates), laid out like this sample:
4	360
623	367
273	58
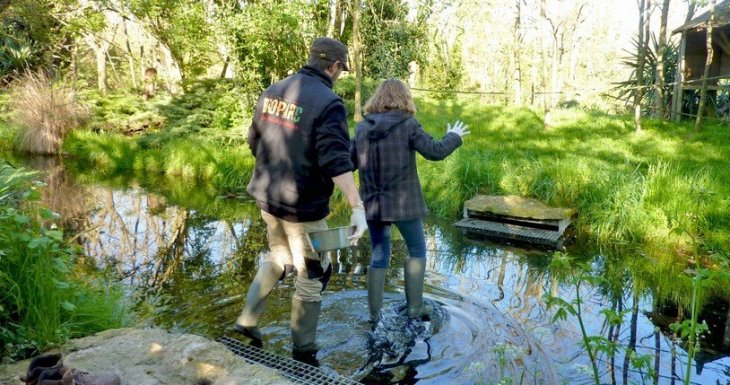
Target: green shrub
43	300
345	87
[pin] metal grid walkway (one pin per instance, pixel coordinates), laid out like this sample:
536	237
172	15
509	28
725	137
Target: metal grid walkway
293	370
510	231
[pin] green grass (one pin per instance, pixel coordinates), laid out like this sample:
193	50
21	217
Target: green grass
629	188
644	189
226	167
198	137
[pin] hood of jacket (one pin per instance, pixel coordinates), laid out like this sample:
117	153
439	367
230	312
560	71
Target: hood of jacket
380	125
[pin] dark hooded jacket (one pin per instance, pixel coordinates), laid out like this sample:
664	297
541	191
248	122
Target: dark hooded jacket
300	139
384	150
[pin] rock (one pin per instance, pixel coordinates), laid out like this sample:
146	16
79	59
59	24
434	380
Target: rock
155	357
516	206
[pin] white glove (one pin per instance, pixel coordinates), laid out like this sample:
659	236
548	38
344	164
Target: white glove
358	220
459	128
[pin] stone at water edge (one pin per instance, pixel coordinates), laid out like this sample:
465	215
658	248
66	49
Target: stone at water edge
155	357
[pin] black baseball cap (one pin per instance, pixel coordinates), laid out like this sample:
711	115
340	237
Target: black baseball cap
330	49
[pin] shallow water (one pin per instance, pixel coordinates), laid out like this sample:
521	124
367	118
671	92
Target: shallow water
187	266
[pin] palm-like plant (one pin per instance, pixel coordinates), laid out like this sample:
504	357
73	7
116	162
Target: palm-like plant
628	88
15	56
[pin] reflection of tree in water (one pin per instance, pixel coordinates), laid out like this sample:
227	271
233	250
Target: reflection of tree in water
202	295
624	279
61	193
458	253
173	258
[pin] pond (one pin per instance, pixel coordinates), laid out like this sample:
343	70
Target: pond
187	258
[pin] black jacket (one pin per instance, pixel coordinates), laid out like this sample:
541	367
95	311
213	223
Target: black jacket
384	150
300	139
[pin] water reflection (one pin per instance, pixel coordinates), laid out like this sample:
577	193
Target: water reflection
188	258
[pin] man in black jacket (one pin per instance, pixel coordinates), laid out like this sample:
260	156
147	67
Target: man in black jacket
300	139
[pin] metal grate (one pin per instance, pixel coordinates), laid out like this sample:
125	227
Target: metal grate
510	231
293	370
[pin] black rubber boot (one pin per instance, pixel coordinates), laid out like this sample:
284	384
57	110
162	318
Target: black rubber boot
306	357
252	333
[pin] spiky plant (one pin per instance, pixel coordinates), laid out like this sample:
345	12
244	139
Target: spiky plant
626	89
44	111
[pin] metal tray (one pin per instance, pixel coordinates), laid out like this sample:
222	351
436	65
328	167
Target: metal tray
330	239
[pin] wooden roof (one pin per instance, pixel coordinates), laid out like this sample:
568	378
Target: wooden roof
722	18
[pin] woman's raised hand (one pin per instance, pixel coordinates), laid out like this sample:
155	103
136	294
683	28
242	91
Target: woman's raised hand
459	128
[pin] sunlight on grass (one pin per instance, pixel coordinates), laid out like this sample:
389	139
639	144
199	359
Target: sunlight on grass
629	188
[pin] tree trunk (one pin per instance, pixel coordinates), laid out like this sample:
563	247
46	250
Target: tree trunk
101	80
358	60
74	62
659	102
691	8
337	19
678	92
555	70
100	45
708	63
130	57
639	92
631	348
657	355
150	83
544	68
226	61
517	43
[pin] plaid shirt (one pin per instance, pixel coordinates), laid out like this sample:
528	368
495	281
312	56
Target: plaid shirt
384	149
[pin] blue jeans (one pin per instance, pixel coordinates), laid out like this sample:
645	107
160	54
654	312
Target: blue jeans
412	232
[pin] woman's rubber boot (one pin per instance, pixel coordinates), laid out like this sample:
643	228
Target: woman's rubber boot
376	286
266	278
304	318
415	271
40	364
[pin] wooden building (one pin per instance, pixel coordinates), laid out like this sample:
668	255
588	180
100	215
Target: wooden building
693	54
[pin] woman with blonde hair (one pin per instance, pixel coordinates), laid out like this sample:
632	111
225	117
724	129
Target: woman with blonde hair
384	150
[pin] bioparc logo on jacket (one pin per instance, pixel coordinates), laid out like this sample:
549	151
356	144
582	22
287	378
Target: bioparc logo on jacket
282	112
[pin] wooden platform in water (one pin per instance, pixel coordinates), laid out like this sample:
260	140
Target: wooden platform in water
516	218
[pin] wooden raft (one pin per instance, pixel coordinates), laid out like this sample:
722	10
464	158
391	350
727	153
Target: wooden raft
516	218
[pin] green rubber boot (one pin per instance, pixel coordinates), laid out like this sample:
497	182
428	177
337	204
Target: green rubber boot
304	318
415	271
266	278
376	286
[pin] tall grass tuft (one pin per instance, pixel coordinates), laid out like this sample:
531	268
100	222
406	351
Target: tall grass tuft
44	111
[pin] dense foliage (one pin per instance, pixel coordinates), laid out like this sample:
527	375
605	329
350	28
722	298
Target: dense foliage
44	299
654	191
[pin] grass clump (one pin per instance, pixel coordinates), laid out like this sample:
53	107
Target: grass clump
44	300
45	112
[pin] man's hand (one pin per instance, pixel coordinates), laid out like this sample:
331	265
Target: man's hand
358	220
